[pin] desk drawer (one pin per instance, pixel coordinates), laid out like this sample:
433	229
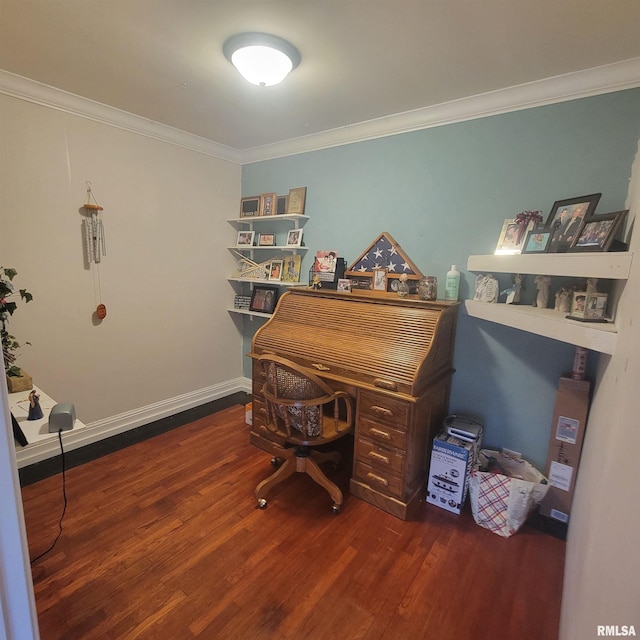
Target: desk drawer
383	434
378	480
381	407
386	460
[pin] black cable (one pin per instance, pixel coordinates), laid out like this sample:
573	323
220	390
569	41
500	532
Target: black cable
64	497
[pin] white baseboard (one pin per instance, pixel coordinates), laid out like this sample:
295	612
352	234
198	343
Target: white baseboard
107	427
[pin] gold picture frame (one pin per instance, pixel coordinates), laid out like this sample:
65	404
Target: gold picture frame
268	204
296	200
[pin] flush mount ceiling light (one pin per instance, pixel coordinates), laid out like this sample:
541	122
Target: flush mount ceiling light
261	58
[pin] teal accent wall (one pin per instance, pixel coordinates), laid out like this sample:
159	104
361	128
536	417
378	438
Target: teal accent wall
443	193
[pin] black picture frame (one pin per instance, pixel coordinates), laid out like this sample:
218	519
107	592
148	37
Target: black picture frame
537	241
598	232
249	207
263	299
566	220
281	206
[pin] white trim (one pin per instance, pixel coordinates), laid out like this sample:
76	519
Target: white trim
122	422
47	96
572	86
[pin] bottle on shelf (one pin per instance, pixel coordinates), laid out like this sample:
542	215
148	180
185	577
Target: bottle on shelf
452	283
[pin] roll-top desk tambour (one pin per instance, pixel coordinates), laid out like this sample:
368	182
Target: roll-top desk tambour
393	356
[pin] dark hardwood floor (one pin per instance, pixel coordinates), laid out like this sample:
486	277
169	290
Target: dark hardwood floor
161	540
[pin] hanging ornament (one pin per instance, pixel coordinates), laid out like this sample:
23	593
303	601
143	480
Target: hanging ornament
95	243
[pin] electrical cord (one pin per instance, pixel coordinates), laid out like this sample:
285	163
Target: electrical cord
64	497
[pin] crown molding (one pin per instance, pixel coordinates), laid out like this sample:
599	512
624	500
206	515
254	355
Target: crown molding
45	95
572	86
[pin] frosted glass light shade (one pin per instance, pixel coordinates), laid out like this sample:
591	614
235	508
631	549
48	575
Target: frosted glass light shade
261	59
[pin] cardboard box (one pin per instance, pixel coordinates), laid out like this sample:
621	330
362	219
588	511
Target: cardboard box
451	463
565	446
248	413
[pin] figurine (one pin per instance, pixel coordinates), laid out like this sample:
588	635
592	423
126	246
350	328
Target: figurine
403	286
316	282
35	411
487	289
563	300
592	285
513	292
542	285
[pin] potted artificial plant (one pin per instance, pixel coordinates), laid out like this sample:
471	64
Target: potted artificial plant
17	379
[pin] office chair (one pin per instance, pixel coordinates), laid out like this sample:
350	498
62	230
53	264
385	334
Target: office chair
305	411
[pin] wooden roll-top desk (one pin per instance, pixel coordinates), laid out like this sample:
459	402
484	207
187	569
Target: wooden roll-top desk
393	356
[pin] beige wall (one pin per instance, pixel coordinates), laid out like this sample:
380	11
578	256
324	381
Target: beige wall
602	585
167	334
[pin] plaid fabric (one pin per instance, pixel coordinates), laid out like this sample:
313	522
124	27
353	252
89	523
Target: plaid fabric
493	497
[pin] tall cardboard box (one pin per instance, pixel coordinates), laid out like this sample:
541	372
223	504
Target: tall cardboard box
565	446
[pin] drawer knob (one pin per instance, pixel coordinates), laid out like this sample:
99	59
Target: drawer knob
378	457
379	433
378	479
382	411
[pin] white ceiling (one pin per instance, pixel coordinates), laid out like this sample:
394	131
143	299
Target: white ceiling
362	60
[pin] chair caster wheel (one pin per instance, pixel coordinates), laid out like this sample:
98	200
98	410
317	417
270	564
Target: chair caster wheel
262	503
336	509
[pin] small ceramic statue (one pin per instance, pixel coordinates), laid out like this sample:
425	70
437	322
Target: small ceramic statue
513	292
35	411
403	286
563	300
592	285
542	285
487	288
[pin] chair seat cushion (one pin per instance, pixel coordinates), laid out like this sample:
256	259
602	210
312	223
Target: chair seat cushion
311	416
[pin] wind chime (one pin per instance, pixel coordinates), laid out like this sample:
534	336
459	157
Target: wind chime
95	243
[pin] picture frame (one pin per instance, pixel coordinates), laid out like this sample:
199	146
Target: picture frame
249	207
325	261
281	206
512	237
296	200
268	204
275	270
379	281
291	268
245	238
537	241
344	284
598	232
267	240
263	299
294	238
566	219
